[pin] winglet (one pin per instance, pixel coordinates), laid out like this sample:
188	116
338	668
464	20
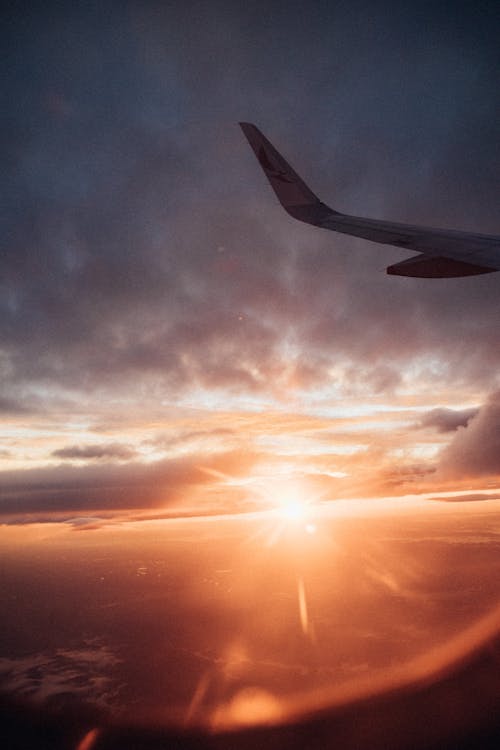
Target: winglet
291	190
436	267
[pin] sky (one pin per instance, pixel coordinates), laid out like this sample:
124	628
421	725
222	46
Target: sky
171	342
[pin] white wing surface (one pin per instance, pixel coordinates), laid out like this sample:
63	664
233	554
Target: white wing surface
443	252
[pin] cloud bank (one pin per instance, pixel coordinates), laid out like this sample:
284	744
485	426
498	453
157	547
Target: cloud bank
475	449
448	420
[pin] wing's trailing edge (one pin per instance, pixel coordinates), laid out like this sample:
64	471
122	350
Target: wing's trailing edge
444	252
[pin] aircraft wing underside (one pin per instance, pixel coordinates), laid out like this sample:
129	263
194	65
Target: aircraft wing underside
443	253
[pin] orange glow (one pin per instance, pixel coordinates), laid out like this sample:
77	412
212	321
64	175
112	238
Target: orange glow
340	601
88	741
304	618
193	462
251	705
290	499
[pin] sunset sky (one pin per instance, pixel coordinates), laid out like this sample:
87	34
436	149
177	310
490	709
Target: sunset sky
241	467
171	342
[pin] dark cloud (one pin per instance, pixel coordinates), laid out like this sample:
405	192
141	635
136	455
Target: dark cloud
447	420
109	487
142	247
12	406
111	451
475	449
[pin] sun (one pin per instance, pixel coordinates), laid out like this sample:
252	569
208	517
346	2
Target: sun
290	501
293	510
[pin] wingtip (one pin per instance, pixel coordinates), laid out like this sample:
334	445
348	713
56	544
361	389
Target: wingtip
247	126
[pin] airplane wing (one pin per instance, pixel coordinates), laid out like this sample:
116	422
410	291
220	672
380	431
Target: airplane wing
443	252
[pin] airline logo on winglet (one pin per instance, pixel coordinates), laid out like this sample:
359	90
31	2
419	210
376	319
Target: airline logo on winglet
274	173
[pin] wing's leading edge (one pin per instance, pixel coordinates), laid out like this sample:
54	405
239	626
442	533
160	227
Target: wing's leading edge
444	252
